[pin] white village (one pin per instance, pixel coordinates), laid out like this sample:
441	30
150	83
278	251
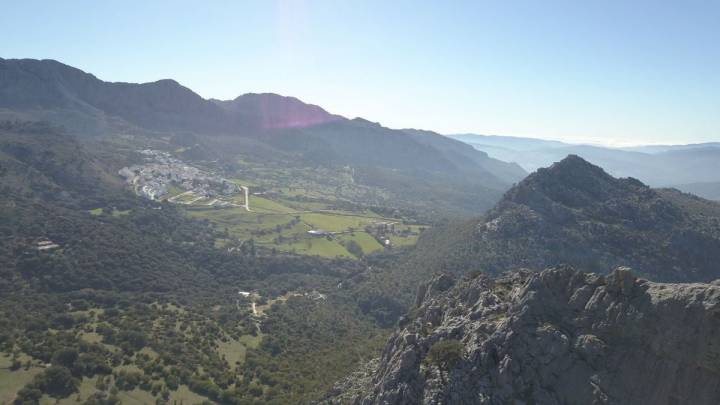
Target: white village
165	178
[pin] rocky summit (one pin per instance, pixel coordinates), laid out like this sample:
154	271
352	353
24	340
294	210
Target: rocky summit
555	337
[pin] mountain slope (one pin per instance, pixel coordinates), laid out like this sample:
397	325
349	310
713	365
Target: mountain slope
262	126
44	162
464	155
575	213
555	337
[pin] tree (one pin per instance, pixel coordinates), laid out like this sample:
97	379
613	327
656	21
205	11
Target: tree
16	364
65	357
251	242
445	354
89	364
131	340
28	395
354	248
55	381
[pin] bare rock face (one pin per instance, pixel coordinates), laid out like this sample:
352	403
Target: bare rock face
555	337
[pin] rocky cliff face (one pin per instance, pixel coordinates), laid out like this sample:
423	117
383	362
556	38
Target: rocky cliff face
555	337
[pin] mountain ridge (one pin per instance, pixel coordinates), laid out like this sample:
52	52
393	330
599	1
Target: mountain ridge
575	213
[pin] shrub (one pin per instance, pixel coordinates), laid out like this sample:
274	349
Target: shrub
65	357
55	381
445	354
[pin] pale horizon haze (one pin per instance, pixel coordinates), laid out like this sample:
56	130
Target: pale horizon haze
615	73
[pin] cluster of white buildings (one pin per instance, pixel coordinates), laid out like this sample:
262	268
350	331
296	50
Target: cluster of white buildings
46	245
161	170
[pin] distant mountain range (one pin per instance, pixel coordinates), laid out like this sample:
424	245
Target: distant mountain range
61	94
680	166
273	126
267	125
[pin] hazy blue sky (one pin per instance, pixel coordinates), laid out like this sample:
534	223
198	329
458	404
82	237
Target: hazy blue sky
618	72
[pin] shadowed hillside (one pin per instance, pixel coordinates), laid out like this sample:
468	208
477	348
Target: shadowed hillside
575	213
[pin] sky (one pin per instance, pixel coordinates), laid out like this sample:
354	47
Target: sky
607	72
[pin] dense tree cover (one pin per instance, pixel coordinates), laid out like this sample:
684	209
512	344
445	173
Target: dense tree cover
149	289
178	297
316	342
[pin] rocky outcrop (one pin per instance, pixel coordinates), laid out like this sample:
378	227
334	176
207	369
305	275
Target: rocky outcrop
555	337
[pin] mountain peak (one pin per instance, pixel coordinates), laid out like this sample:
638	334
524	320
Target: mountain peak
167	82
574	165
573	182
572	210
274	111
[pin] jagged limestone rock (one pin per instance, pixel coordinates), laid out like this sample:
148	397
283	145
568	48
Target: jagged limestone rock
555	337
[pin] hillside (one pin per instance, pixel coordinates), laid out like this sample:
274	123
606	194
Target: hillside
43	161
556	337
464	155
709	190
575	213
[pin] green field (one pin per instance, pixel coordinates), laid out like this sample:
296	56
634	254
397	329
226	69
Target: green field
115	212
316	246
282	223
271	225
12	381
182	395
233	351
366	242
337	222
263	205
243	182
403	241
